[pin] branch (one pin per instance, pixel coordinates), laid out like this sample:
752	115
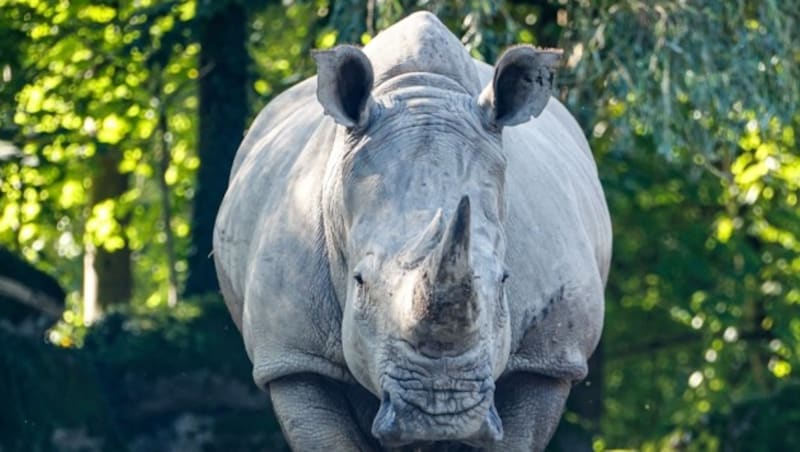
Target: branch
30	297
663	343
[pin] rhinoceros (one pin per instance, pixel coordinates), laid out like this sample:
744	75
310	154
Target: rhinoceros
414	246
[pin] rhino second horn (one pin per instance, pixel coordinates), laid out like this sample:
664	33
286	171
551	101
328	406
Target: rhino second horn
492	428
425	243
385	426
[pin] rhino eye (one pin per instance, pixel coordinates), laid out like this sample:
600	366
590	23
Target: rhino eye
359	279
505	276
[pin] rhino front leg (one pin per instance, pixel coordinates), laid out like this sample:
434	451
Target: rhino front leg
314	414
530	406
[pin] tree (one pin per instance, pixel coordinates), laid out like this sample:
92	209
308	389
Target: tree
107	273
691	110
85	121
28	295
224	62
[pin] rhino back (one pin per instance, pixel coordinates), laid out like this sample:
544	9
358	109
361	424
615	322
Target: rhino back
286	109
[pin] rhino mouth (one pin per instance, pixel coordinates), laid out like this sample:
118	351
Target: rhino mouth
438	402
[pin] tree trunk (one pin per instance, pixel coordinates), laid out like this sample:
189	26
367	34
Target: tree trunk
351	18
546	28
107	276
223	109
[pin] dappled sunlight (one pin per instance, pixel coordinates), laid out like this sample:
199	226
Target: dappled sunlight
690	109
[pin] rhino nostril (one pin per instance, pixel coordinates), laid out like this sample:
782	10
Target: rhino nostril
493	425
490	431
384	427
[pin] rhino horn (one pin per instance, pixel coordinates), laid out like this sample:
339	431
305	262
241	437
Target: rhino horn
445	299
454	265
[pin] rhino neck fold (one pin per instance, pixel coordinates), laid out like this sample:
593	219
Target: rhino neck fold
428	83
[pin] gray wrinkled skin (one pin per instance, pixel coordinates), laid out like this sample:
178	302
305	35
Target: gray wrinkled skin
413	261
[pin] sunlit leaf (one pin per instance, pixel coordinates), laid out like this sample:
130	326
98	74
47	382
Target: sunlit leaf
97	13
112	129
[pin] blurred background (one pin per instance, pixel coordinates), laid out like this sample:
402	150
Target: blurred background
118	125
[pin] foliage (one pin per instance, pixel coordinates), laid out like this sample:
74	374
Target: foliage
79	100
692	113
96	394
34	377
126	339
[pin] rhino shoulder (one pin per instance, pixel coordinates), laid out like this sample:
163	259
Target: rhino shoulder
272	145
560	232
268	243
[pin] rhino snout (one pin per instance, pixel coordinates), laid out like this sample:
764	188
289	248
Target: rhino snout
399	424
418	411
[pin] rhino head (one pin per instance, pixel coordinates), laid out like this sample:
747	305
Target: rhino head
414	211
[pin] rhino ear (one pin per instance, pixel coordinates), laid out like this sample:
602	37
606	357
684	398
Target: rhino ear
344	83
523	80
